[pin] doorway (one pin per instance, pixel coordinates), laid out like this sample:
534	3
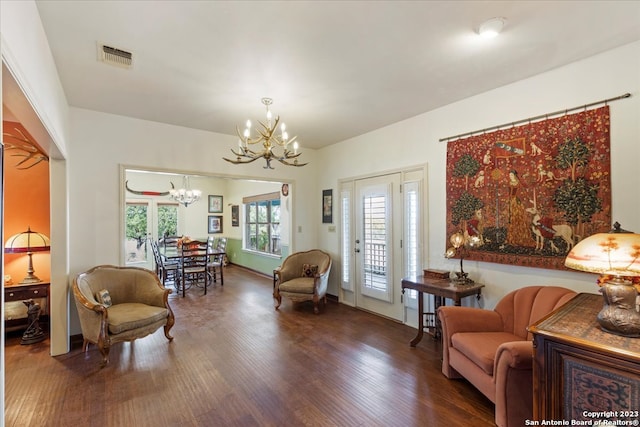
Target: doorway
382	223
378	250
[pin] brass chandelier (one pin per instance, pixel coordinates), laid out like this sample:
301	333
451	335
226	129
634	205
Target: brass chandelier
270	141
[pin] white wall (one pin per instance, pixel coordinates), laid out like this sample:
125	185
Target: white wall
100	143
194	217
25	51
26	54
415	140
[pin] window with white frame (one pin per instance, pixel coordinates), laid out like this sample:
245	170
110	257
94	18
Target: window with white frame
146	218
262	223
412	247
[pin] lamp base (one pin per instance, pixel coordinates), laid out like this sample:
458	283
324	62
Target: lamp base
619	315
462	278
30	279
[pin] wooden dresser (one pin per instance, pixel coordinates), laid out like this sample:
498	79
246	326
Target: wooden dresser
37	291
579	369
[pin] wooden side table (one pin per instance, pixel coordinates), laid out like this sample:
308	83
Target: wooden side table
25	292
580	370
440	289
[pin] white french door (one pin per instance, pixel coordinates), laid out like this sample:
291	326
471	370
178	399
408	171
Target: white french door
146	218
377	245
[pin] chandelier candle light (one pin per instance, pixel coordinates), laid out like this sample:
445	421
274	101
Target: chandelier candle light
616	255
270	141
185	195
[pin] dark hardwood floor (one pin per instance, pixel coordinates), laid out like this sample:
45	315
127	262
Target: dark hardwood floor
235	361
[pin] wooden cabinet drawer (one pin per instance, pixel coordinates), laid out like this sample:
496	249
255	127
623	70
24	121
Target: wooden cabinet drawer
22	294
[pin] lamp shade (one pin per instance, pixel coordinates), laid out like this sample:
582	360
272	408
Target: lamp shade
615	254
27	241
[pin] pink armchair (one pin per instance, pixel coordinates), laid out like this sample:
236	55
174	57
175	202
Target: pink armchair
493	350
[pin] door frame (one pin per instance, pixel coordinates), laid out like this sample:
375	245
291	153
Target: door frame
346	290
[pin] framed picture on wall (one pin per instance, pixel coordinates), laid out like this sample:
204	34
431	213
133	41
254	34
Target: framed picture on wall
214	224
215	204
327	206
235	216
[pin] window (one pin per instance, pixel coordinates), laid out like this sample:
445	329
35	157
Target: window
136	231
146	218
347	251
167	220
412	247
262	229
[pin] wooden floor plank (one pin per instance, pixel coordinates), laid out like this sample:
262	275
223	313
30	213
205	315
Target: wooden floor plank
235	361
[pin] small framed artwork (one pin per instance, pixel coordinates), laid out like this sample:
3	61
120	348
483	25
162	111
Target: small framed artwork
214	224
327	206
235	216
215	204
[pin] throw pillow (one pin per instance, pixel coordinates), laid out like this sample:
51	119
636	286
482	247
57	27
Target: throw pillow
104	298
309	270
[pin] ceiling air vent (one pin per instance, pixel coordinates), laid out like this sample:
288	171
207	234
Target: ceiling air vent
114	56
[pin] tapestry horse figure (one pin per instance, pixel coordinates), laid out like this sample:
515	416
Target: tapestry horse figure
543	228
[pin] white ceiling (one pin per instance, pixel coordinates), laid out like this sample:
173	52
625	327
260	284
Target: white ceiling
335	69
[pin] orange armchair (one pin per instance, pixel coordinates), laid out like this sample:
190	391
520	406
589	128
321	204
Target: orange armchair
493	350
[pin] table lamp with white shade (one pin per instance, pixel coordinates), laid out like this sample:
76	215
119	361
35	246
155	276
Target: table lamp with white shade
616	255
28	242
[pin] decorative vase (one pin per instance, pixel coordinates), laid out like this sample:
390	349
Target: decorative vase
619	315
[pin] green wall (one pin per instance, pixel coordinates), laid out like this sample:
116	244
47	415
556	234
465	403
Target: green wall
261	263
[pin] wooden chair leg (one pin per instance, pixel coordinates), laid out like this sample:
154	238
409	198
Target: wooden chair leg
278	298
104	350
167	328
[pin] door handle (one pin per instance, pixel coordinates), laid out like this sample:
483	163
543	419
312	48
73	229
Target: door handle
357	250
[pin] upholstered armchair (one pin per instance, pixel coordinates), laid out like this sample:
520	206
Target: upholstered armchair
493	350
118	304
303	276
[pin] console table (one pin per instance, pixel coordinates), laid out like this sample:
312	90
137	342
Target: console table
440	289
25	292
580	370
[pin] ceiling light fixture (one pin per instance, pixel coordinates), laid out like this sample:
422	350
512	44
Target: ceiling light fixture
492	27
185	195
269	142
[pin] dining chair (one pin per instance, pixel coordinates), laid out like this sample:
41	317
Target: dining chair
166	270
194	266
170	241
156	256
215	266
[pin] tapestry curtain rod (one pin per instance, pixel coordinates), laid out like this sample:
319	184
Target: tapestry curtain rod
530	119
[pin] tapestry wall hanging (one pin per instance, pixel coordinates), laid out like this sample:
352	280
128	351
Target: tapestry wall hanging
525	195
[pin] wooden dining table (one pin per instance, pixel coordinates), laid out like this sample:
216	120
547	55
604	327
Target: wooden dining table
174	255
